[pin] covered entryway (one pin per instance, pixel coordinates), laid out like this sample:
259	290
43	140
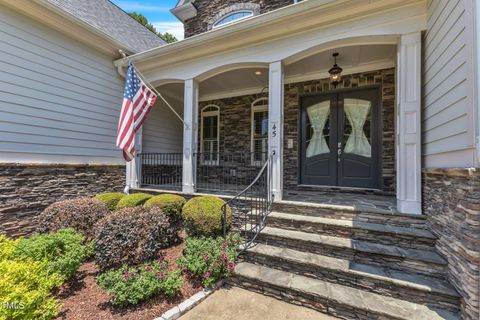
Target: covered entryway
340	139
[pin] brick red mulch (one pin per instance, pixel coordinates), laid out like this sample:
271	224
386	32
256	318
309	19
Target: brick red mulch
82	298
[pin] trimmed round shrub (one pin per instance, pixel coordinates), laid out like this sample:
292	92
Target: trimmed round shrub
110	199
203	216
171	204
131	236
133	200
80	214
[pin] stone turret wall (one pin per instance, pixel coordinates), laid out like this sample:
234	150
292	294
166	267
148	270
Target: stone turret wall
209	11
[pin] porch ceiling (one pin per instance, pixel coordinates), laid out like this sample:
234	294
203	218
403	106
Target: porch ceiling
247	80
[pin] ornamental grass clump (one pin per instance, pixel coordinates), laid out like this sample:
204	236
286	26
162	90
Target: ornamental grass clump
80	214
130	285
132	235
133	200
210	259
203	216
110	199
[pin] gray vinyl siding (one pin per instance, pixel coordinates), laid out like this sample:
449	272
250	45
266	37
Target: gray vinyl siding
162	130
447	108
59	100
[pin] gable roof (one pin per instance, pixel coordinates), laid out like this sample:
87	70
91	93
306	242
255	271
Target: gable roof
112	21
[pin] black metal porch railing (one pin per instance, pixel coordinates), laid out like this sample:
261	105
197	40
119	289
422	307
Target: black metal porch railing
227	173
251	206
161	170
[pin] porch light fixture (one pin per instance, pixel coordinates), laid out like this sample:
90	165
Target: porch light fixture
258	73
335	72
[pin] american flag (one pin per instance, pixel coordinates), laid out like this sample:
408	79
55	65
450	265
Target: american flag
138	99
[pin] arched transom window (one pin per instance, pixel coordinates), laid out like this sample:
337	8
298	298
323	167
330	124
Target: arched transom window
232	17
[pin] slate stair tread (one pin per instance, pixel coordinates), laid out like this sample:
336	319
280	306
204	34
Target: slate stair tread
357	245
341	295
400	278
348	223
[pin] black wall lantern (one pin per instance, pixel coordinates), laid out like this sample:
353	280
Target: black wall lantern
335	72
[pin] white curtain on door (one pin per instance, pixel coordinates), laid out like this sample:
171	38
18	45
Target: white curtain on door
318	115
357	111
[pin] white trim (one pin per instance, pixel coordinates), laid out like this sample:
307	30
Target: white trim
203	114
256	107
408	124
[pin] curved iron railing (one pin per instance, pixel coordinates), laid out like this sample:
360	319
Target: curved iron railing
250	207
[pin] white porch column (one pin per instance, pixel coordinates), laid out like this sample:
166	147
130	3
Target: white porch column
190	135
275	120
408	126
133	168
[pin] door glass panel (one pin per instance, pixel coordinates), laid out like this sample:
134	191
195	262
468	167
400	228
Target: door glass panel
318	129
358	121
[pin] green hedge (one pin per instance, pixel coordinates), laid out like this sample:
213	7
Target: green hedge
133	200
110	199
171	204
203	216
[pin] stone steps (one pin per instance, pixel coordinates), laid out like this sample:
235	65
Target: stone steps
357	213
426	262
398	284
359	230
336	299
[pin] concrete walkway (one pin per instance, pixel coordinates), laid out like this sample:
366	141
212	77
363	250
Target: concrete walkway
239	304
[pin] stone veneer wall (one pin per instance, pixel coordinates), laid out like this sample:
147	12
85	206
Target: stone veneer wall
451	202
26	189
209	11
385	78
235	121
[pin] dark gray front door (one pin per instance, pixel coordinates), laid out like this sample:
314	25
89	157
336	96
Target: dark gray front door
340	139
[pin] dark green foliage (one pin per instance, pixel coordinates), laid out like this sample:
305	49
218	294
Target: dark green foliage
211	259
203	216
80	214
110	199
130	285
62	251
133	200
132	235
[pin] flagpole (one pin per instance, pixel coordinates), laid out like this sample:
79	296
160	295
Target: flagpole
158	94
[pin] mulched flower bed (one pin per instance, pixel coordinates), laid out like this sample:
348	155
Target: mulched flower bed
82	298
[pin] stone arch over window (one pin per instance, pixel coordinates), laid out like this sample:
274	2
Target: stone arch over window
238	7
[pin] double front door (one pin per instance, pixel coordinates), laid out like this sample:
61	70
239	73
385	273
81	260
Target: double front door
340	139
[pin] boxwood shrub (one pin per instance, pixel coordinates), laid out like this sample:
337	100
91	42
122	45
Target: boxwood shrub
133	200
80	214
132	235
110	199
203	216
171	204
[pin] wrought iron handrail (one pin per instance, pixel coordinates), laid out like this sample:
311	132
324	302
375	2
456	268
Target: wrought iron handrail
251	206
162	170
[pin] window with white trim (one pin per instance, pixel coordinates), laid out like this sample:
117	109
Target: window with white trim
210	135
232	17
259	134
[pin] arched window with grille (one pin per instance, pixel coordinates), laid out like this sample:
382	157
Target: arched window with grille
210	135
232	17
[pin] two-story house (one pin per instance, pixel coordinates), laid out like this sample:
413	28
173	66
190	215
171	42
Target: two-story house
343	133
